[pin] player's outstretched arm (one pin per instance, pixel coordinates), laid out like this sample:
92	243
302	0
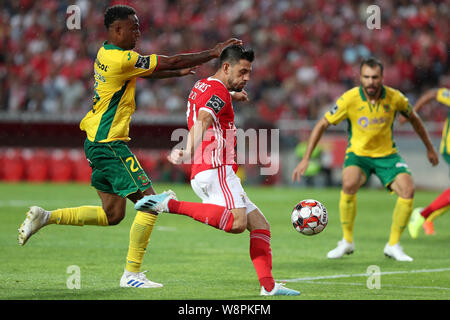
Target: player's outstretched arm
171	73
188	60
418	126
314	139
426	98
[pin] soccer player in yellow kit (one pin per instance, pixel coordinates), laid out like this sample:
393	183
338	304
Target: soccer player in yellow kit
425	216
370	112
116	173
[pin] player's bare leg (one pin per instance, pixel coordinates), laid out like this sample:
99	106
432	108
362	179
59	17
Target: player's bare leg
239	220
114	207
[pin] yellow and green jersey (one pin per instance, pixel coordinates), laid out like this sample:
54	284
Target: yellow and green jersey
443	96
370	126
115	73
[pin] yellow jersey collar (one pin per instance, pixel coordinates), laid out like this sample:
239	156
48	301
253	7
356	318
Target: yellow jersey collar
109	46
363	97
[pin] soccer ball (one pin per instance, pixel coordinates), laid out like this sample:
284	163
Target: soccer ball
309	217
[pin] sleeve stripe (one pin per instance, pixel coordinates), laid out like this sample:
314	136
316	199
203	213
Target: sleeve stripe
157	63
153	63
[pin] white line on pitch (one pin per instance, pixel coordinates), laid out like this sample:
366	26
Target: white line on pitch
339	276
383	285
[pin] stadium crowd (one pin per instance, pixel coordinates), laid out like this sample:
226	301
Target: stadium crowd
307	51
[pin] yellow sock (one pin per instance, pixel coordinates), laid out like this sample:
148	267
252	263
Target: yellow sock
140	232
437	213
79	216
347	211
402	212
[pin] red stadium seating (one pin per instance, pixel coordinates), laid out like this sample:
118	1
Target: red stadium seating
36	164
81	169
60	166
13	165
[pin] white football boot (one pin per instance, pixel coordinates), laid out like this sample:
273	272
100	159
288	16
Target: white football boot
156	202
137	280
35	220
342	248
279	290
396	252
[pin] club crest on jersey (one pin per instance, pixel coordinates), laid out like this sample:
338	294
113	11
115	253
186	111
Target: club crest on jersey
215	103
143	178
142	62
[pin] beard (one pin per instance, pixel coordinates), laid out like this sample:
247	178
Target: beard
372	91
238	87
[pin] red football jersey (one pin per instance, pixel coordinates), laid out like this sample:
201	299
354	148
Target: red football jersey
218	145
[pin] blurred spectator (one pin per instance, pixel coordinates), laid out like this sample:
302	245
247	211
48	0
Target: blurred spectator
305	50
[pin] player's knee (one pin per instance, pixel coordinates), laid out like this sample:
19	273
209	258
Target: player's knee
239	228
114	217
407	192
350	188
239	224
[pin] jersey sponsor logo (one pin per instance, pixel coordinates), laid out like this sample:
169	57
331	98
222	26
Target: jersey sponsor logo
215	103
142	62
100	65
363	121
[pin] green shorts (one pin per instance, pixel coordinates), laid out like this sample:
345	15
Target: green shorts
385	168
115	169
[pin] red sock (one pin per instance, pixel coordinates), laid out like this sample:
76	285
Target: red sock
261	256
441	201
217	216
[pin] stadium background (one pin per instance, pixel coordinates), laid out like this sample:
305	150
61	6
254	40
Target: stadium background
307	54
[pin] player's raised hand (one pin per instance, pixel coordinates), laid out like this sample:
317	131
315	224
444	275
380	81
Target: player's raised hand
300	170
176	156
433	157
240	96
188	71
217	50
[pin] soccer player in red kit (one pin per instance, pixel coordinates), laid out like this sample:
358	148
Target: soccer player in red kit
211	150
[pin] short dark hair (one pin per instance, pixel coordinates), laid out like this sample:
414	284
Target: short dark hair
371	62
117	12
235	53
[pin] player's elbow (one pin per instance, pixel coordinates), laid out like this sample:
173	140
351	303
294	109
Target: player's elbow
323	124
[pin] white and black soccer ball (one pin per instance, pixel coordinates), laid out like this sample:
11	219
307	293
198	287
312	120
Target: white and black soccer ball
309	217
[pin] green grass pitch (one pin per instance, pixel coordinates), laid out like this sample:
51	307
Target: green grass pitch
195	261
